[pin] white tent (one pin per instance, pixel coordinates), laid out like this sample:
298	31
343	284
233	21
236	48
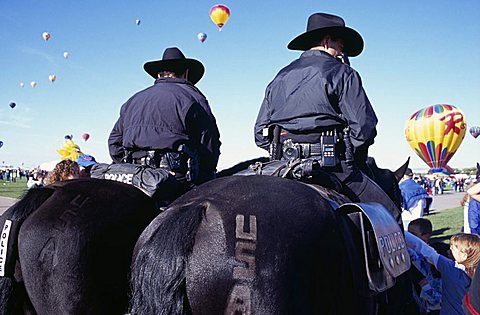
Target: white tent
48	166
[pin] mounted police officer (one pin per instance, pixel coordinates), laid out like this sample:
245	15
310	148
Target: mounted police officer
170	124
316	109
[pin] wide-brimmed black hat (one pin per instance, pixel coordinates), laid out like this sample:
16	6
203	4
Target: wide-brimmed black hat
174	60
321	24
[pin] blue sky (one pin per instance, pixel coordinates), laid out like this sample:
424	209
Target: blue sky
417	53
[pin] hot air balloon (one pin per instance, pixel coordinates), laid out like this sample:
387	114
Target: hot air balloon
33	84
52	78
66	54
219	14
202	37
12	105
138	22
1	145
21	84
475	131
46	36
435	133
85	136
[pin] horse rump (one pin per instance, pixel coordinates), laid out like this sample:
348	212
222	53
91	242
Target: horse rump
243	244
11	287
75	249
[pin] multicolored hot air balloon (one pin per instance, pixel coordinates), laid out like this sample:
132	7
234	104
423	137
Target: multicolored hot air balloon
219	14
435	133
46	36
85	136
12	105
52	78
33	84
475	131
202	37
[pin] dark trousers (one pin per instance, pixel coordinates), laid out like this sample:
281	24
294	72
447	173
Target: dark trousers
360	188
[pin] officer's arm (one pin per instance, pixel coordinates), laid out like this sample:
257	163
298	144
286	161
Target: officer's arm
115	142
358	112
263	121
202	129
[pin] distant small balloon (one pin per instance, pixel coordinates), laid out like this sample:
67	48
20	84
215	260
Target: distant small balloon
202	37
52	78
1	145
21	84
66	54
138	22
475	131
85	136
33	84
46	36
12	105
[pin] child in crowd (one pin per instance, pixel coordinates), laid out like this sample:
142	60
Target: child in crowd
457	273
427	281
66	169
86	161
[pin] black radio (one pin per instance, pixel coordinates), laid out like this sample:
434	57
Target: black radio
328	140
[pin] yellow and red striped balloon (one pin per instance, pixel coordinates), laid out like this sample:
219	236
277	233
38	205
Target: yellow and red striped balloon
219	14
435	133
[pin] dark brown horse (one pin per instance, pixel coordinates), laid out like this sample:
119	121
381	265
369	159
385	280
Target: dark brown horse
70	247
258	245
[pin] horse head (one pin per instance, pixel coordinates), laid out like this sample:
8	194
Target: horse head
477	175
388	180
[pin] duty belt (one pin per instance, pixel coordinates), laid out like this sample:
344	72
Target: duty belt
324	152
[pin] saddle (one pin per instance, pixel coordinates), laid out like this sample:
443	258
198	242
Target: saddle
157	183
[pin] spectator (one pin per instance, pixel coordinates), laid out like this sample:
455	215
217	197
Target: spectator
66	169
465	205
456	274
85	162
35	179
427	280
474	208
414	198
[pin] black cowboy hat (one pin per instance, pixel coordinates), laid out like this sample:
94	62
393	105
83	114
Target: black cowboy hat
321	24
174	60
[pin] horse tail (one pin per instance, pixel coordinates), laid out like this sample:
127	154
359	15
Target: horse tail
159	262
12	220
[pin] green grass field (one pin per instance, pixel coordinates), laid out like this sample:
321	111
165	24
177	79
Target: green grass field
13	189
445	223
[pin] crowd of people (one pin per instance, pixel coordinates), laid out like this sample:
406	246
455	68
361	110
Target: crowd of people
442	276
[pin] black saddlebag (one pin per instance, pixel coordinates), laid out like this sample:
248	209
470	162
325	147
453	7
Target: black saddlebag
383	254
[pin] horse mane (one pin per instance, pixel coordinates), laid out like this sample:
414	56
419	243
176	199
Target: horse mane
30	202
241	166
477	175
159	286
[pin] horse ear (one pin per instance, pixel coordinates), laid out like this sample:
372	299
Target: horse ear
401	170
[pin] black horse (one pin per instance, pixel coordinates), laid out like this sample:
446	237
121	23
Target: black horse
69	248
258	245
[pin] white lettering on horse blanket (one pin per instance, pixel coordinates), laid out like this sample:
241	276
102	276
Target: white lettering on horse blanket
3	245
